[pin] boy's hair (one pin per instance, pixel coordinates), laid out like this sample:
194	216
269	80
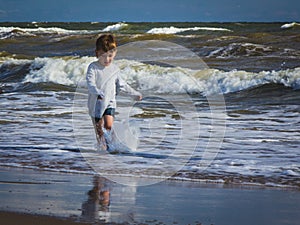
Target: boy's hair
106	42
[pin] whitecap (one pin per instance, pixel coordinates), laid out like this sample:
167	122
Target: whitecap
175	30
58	70
156	78
7	32
115	27
289	25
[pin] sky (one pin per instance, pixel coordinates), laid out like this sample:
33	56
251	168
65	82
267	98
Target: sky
150	10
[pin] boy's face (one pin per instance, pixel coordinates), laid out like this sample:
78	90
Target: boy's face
106	58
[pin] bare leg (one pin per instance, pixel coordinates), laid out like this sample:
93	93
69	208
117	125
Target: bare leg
99	133
108	122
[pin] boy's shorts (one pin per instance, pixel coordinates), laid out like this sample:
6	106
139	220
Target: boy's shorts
108	111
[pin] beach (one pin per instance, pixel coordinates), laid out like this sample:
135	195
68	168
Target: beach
31	195
215	139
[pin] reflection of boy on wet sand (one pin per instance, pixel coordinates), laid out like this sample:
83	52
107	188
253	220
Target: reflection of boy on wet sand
98	200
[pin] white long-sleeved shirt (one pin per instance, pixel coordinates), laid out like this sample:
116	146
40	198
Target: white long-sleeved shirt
102	81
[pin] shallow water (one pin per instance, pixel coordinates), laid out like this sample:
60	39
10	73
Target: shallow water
182	128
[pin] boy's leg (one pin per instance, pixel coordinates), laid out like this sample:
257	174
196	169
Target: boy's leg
99	133
108	121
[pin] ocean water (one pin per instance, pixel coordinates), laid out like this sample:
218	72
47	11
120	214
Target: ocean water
221	101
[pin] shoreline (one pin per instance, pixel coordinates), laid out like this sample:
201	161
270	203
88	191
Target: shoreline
32	195
206	180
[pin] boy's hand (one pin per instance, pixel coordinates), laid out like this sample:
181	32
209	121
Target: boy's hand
138	97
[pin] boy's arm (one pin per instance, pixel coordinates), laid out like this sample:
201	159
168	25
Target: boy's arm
91	83
124	87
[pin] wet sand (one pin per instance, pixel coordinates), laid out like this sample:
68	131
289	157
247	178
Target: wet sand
31	197
14	218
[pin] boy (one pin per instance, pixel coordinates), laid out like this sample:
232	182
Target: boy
102	80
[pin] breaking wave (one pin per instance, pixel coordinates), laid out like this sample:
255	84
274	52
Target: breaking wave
175	30
8	32
115	27
147	77
289	25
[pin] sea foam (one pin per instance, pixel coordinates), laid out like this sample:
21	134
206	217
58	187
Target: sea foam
7	32
58	70
155	78
115	27
175	30
289	25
